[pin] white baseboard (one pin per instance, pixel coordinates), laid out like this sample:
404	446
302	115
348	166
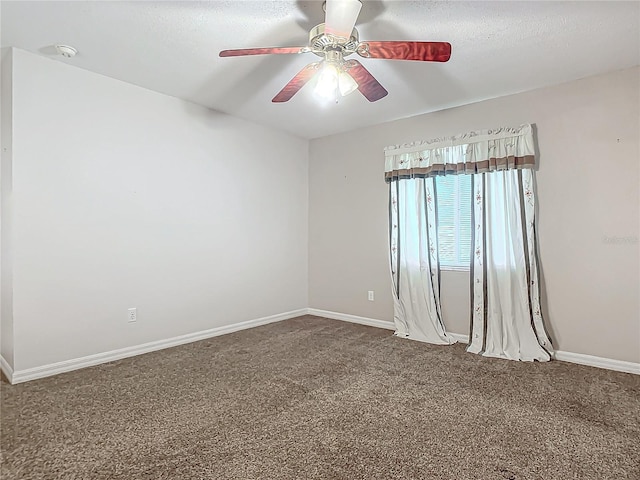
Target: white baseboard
6	369
579	358
20	376
600	362
371	322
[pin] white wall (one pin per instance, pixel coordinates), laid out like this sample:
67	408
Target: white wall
6	284
588	196
123	197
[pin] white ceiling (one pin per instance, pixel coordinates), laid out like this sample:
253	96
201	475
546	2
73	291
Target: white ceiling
499	48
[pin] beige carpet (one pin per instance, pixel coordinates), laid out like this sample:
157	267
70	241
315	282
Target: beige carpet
311	398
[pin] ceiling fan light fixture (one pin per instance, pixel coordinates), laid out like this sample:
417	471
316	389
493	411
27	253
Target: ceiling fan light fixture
334	82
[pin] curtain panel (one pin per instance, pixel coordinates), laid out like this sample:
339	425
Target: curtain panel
474	152
415	270
506	317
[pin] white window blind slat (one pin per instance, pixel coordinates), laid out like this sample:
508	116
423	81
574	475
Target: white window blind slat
454	220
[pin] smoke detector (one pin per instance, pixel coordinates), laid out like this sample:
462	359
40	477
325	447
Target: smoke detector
66	51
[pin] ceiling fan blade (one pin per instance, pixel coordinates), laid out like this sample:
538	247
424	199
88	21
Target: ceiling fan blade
421	51
296	83
341	16
262	51
367	84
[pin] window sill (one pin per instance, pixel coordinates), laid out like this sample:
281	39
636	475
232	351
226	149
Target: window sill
454	268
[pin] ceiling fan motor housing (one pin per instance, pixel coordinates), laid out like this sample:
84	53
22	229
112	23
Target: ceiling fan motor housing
320	42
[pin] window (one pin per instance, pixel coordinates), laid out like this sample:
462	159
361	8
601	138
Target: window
454	221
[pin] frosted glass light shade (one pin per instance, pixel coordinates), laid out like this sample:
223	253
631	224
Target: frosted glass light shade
327	82
346	83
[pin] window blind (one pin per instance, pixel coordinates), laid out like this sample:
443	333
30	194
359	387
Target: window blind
454	220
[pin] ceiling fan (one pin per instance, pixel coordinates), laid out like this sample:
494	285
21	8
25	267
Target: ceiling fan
336	39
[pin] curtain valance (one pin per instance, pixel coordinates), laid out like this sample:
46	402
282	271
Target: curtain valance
474	152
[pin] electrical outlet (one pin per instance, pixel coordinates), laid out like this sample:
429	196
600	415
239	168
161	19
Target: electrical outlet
370	295
133	314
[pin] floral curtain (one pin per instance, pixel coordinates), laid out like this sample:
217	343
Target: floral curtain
414	261
506	319
506	315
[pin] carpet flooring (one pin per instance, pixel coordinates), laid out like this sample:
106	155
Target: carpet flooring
311	398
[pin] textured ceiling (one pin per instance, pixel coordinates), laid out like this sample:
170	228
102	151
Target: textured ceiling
499	48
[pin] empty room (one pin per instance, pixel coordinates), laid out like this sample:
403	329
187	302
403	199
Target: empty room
295	239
